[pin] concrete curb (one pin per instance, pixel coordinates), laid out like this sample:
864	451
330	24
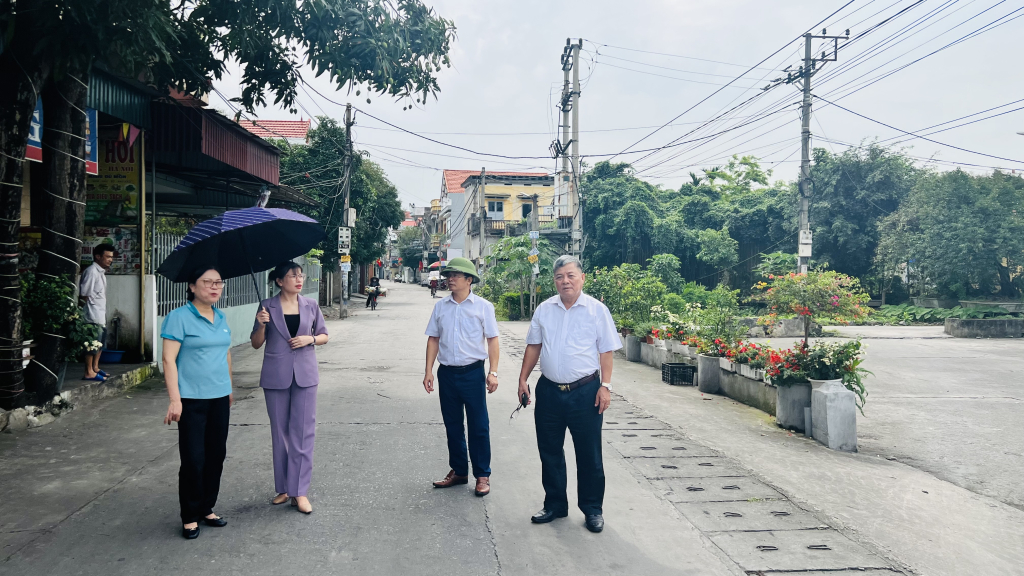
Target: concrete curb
34	416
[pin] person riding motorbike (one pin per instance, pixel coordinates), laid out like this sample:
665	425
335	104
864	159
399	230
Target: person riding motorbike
372	290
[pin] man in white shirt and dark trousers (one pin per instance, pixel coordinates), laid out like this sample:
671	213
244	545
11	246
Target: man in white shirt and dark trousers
92	288
573	336
461	334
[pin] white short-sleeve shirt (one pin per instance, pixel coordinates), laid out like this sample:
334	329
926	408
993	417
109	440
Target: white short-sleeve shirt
572	340
93	285
462	329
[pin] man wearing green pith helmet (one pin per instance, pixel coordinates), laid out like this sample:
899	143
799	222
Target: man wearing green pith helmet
461	334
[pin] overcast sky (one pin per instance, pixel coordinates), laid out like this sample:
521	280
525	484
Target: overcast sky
499	96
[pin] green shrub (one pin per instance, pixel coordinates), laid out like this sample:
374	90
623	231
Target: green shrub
509	303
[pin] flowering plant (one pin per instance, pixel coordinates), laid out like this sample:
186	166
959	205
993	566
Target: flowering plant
839	361
822	296
785	367
718	348
745	352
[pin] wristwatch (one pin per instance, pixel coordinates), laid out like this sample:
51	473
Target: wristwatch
607	385
495	374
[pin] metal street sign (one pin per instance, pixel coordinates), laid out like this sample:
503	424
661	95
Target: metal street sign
534	252
534	234
344	240
536	272
346	266
346	258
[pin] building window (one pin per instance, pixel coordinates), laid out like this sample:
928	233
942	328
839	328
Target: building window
527	209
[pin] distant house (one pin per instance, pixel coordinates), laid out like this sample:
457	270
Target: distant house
294	131
509	201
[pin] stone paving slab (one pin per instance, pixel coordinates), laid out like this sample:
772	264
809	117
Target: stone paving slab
742	515
647	447
633	423
692	467
796	550
715	489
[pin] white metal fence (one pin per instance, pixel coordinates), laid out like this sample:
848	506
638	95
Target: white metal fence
237	291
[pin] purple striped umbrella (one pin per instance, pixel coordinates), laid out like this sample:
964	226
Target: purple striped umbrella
241	242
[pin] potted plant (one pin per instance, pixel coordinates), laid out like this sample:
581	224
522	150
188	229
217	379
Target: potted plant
743	354
758	361
785	369
658	337
53	323
693	345
824	296
838	364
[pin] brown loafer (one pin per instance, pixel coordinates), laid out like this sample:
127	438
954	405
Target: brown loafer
483	486
452	479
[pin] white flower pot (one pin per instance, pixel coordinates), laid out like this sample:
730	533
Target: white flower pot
834	415
726	364
684	350
708	374
746	371
659	343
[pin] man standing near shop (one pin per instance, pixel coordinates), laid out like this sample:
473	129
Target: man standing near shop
461	334
573	336
93	290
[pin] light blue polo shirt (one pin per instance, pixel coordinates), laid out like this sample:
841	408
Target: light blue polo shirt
203	359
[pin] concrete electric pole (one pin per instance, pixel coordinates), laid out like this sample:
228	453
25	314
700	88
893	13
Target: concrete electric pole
577	211
345	216
804	75
482	200
567	179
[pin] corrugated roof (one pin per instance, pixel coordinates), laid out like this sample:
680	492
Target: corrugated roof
453	179
292	129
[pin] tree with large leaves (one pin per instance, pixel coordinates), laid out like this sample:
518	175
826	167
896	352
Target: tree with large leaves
319	170
963	235
392	48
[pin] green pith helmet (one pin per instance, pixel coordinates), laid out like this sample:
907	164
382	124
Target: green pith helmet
461	265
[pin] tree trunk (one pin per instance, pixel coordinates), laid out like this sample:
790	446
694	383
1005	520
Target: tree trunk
1006	287
21	78
807	332
62	194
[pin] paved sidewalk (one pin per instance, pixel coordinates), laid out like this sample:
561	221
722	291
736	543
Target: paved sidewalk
918	520
97	489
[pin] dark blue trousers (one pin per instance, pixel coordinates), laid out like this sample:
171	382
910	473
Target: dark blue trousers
466	392
575	410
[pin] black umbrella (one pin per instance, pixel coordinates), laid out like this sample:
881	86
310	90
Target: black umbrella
241	242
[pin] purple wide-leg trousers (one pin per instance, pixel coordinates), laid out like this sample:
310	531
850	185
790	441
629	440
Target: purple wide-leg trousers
292	431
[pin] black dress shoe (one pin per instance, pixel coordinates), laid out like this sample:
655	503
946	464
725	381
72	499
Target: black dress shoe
595	522
215	522
190	533
545	516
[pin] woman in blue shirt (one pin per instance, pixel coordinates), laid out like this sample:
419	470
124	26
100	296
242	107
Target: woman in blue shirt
197	370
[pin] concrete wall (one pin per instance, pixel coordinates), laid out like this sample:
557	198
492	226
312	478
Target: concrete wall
984	328
750	392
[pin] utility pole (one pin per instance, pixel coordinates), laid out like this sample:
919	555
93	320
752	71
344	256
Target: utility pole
803	76
534	235
574	192
349	121
483	217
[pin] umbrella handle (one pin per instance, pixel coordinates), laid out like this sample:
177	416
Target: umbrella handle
251	273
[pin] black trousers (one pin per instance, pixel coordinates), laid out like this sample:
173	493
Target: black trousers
466	392
575	410
202	445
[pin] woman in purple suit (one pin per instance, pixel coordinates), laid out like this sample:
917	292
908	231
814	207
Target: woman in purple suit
290	325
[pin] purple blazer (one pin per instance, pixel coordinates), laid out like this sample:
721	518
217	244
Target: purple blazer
280	362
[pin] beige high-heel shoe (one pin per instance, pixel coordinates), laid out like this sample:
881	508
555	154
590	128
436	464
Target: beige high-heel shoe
295	503
280	499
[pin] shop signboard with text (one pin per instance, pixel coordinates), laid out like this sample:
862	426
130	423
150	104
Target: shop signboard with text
113	193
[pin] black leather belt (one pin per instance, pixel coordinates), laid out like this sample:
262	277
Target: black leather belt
572	385
463	369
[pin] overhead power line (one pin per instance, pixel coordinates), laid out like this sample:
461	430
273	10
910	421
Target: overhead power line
891	127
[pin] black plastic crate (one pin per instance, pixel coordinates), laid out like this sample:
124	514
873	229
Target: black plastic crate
678	374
